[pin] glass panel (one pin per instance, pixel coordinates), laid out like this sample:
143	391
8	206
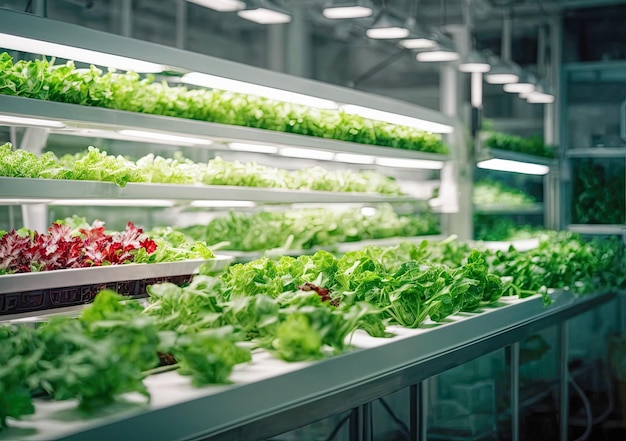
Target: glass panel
464	402
598	191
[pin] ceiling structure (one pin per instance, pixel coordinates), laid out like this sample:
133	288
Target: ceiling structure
335	51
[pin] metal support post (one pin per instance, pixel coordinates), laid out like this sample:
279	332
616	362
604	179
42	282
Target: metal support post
181	24
35	216
423	410
512	353
414	409
276	48
366	413
355	426
299	42
126	18
564	380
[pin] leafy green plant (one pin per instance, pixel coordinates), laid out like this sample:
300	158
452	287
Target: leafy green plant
532	145
41	79
308	228
96	165
491	192
598	192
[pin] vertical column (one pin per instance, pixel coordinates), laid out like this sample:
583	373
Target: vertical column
414	409
39	7
451	91
35	216
299	42
181	24
126	18
553	215
513	361
276	47
564	380
423	410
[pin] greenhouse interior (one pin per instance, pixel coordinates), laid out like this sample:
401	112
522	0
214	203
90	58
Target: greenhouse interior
313	220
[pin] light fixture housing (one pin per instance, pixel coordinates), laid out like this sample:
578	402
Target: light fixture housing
387	28
30	122
440	54
474	62
502	72
41	47
525	84
419	39
347	9
220	5
541	95
215	82
264	12
508	165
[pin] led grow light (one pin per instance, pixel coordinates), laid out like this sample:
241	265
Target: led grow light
295	152
74	53
354	158
34	122
254	148
410	163
394	118
514	166
222	204
143	134
220	5
215	82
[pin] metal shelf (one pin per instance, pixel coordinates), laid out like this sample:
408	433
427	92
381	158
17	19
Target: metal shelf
596	152
77	117
11	283
269	397
515	156
508	209
597	228
47	190
30	26
343	247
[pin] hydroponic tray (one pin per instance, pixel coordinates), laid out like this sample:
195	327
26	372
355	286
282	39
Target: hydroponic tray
34	190
269	396
34	292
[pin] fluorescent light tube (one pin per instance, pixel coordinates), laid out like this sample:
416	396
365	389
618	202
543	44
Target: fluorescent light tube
254	148
394	118
113	202
73	53
222	204
264	16
389	33
514	166
214	82
410	163
220	5
342	12
295	152
418	43
354	158
165	137
21	121
437	56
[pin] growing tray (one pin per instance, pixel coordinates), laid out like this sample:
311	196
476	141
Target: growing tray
31	292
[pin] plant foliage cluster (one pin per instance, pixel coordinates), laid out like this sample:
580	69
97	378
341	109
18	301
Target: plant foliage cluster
296	308
96	165
42	79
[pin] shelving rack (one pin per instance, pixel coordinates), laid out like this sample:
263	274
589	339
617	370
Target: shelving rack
268	397
604	120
